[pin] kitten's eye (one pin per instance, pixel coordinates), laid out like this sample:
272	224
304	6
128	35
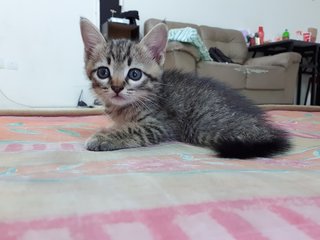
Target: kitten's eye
103	72
135	74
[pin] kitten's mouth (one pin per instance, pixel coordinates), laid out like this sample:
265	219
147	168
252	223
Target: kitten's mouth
118	99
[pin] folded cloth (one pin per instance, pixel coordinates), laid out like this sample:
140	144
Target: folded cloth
190	35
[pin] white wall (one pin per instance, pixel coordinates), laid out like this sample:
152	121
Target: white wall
274	15
41	52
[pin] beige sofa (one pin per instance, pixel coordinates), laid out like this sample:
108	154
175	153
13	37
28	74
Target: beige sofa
265	80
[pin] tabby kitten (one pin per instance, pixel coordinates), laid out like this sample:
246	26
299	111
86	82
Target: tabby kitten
150	105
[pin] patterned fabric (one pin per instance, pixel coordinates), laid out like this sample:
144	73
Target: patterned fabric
52	188
190	35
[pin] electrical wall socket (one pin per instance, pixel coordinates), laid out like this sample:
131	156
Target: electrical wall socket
12	65
9	64
2	65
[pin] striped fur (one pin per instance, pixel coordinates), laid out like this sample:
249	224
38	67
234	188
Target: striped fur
170	105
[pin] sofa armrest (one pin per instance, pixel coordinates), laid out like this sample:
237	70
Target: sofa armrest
184	47
282	60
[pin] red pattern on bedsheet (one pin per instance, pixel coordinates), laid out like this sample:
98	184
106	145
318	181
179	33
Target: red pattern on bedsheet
299	218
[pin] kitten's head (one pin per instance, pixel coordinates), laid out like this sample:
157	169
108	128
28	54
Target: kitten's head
123	72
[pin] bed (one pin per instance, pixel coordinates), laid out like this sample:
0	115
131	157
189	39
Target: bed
52	188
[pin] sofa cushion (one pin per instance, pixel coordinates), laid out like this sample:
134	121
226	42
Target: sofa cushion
244	77
184	47
267	77
185	62
230	42
231	74
285	60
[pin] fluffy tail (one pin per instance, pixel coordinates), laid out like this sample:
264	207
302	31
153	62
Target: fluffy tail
276	142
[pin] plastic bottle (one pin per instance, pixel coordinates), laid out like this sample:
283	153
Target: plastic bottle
286	35
257	39
261	34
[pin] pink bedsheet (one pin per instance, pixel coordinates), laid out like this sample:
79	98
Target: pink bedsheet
52	188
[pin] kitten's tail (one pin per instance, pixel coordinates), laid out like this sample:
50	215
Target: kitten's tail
273	143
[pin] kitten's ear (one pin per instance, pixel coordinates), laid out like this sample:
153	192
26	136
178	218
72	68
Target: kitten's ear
156	41
91	36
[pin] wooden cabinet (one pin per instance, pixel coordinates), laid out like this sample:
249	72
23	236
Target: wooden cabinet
112	30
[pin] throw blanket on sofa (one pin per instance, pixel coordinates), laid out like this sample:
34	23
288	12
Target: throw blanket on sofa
190	35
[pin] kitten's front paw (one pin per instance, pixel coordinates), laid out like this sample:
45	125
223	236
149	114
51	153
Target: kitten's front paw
98	143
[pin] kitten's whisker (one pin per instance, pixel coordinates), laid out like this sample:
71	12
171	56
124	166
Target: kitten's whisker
148	99
156	96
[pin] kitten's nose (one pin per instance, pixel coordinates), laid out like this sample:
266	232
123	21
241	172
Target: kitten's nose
116	89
